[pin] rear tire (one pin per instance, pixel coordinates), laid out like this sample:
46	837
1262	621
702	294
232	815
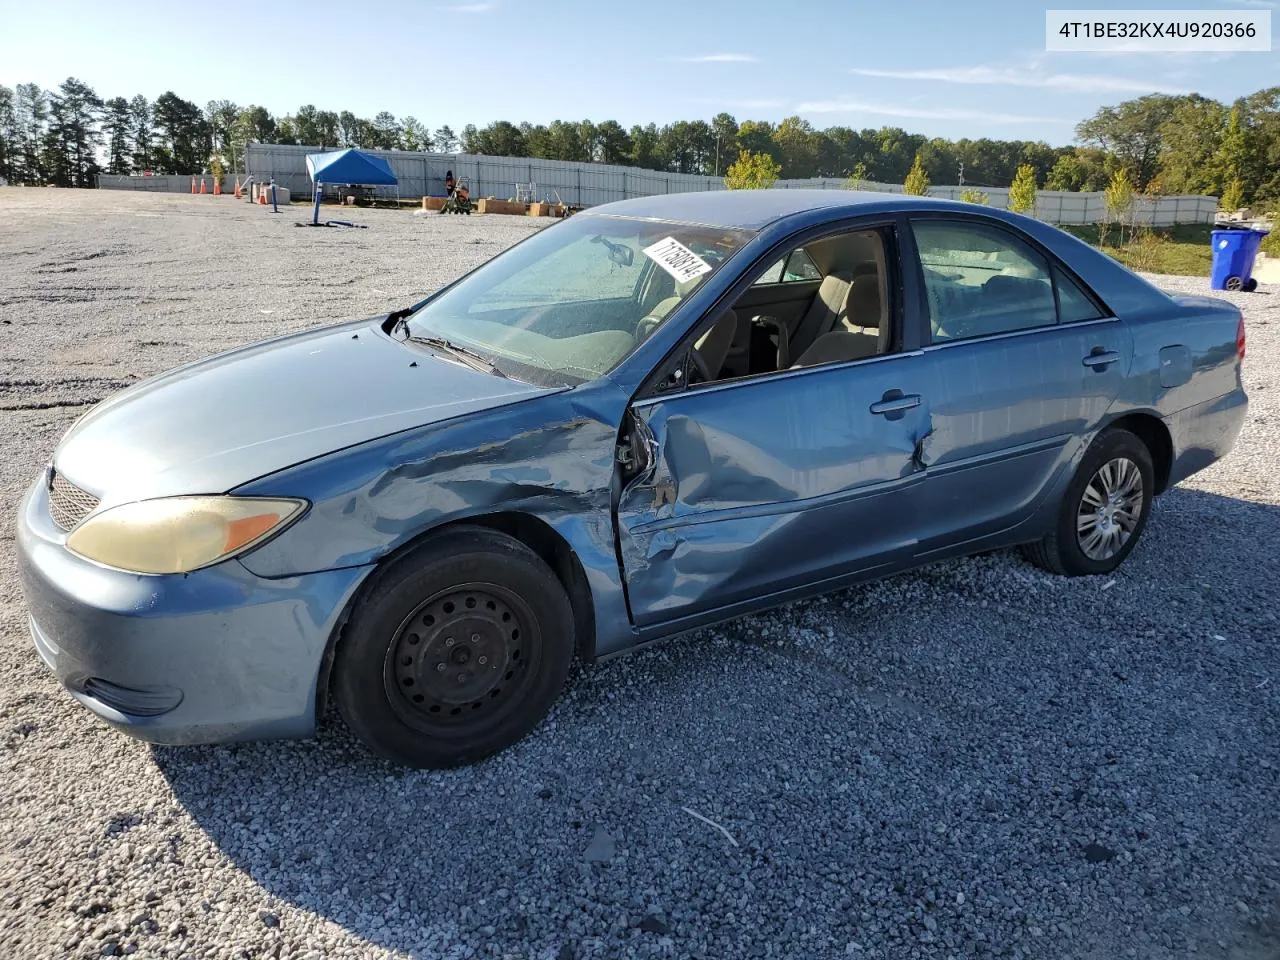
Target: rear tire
455	652
1104	510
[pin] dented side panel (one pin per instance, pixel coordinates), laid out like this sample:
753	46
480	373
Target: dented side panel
551	459
757	486
1009	415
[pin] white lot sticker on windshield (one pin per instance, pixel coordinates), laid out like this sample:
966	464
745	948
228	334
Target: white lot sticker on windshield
677	259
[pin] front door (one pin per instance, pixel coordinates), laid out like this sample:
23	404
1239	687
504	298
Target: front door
752	488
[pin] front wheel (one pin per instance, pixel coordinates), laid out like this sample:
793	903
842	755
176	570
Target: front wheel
1104	510
458	650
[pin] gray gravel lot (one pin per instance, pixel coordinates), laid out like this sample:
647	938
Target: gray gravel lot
973	760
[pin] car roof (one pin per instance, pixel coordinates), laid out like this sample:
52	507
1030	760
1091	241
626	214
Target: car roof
781	211
753	209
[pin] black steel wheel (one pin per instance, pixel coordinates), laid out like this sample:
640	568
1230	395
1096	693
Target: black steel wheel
455	651
1104	510
461	657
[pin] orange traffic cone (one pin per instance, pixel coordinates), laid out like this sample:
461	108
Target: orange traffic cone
238	195
217	186
193	184
262	197
202	189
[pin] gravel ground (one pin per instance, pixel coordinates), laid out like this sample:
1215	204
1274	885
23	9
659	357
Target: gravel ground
974	760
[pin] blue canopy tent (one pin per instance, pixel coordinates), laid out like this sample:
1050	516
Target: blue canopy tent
350	167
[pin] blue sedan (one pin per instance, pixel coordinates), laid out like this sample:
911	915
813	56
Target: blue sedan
652	416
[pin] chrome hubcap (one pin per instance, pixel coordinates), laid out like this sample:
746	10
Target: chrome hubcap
1109	509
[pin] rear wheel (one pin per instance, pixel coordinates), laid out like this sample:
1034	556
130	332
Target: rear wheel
458	650
1104	510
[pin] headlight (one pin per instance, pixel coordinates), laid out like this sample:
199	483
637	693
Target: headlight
180	534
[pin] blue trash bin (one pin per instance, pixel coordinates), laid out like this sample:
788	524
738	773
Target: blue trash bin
1233	254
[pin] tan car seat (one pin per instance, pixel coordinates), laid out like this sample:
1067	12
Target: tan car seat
713	346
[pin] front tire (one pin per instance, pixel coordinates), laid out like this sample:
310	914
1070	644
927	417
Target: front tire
1104	509
457	651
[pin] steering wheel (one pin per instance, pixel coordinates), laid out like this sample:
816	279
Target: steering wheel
645	327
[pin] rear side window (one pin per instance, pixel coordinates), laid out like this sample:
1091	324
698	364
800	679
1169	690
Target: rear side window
981	281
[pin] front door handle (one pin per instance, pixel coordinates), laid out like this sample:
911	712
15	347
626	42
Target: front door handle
1100	358
895	401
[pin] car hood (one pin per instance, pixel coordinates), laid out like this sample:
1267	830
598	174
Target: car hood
221	422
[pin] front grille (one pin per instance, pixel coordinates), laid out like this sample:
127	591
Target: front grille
68	504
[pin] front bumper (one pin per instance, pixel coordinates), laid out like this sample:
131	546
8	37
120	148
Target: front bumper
207	657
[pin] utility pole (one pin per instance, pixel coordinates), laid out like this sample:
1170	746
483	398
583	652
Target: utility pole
717	154
961	173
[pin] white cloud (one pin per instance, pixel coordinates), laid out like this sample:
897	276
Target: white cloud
918	113
1006	77
719	58
471	8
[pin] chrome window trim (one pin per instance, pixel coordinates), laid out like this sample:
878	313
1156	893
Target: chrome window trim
1025	331
700	389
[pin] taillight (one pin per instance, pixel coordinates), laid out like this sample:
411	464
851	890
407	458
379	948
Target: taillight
1240	338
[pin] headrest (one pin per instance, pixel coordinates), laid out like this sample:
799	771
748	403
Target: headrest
863	305
685	287
1007	286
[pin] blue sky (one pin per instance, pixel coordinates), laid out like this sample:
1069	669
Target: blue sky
939	68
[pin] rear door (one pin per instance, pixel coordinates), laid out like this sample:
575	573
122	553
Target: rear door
1023	365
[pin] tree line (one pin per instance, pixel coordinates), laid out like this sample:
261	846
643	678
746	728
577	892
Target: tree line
1163	143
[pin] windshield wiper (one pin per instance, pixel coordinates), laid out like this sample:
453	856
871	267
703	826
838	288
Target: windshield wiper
474	360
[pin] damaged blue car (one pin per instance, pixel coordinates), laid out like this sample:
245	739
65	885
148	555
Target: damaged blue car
654	415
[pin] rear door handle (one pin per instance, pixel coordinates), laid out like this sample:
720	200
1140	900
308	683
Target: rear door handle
1101	358
895	404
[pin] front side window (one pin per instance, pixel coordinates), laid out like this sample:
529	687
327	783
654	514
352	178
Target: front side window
980	280
571	302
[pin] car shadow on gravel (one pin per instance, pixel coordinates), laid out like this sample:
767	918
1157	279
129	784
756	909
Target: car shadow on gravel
722	793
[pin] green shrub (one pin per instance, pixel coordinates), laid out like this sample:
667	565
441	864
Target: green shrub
752	171
1232	196
917	182
1022	192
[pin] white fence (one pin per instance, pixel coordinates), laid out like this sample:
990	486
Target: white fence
422	174
1052	206
165	183
589	184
